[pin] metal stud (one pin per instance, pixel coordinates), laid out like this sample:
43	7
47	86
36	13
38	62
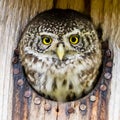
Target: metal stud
20	82
107	75
103	87
37	100
92	98
27	93
16	71
109	64
47	107
83	107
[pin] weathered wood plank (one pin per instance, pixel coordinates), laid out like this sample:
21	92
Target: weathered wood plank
70	4
114	109
14	15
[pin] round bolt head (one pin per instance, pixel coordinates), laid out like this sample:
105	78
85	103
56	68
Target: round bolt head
27	93
92	98
47	107
20	82
71	110
109	64
107	75
37	100
103	87
83	107
16	71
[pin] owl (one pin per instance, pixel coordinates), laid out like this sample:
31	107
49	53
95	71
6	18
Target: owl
61	54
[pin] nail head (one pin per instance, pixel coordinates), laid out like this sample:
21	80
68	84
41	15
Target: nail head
103	87
109	64
92	98
27	93
107	75
37	100
20	82
82	107
47	107
16	71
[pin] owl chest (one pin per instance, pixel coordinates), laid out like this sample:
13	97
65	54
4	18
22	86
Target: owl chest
52	80
71	73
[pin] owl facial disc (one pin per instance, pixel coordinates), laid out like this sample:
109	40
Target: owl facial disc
61	54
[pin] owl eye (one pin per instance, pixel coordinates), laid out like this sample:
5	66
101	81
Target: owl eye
74	39
46	40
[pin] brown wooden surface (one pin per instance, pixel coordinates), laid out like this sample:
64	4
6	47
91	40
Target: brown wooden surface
14	15
27	104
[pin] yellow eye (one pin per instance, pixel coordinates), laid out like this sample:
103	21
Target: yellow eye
74	39
46	40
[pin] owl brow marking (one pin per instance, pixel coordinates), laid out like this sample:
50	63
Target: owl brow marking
74	32
86	33
48	34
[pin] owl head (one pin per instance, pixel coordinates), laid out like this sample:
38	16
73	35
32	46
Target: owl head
60	47
61	34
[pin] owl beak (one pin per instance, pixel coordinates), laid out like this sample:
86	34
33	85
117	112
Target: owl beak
60	51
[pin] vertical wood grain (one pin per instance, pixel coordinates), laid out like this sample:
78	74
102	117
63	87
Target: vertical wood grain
97	11
14	16
70	4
